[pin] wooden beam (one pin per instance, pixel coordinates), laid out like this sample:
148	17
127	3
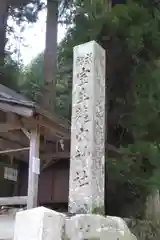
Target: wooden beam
14	150
57	155
48	126
24	130
48	164
53	158
33	171
7	127
26	133
17	138
57	129
4	201
6	143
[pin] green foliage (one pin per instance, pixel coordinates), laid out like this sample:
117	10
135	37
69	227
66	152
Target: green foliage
33	83
142	169
25	10
11	71
98	210
33	76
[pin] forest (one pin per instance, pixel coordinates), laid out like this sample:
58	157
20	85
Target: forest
129	31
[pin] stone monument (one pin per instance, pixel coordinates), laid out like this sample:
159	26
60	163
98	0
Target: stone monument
86	191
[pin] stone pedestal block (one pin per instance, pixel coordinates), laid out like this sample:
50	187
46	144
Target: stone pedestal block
39	224
96	227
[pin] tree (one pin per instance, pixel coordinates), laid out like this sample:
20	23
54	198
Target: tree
26	11
20	11
56	10
33	83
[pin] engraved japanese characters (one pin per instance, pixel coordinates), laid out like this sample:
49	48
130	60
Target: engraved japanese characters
88	129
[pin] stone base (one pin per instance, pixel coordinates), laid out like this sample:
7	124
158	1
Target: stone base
39	224
89	226
44	224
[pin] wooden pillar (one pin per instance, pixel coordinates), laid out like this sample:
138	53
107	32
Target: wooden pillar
86	190
34	165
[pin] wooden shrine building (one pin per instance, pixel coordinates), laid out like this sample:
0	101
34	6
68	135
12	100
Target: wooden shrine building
32	141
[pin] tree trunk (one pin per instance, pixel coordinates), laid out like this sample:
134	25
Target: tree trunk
3	26
50	55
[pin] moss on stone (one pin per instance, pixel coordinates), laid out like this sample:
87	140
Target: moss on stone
98	210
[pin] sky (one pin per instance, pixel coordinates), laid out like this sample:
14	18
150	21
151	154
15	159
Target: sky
34	38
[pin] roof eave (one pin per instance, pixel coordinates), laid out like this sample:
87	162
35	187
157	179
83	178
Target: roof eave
20	109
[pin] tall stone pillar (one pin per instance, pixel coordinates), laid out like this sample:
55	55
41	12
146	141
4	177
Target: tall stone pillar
86	190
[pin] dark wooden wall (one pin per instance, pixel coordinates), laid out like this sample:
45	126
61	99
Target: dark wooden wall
53	183
7	187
